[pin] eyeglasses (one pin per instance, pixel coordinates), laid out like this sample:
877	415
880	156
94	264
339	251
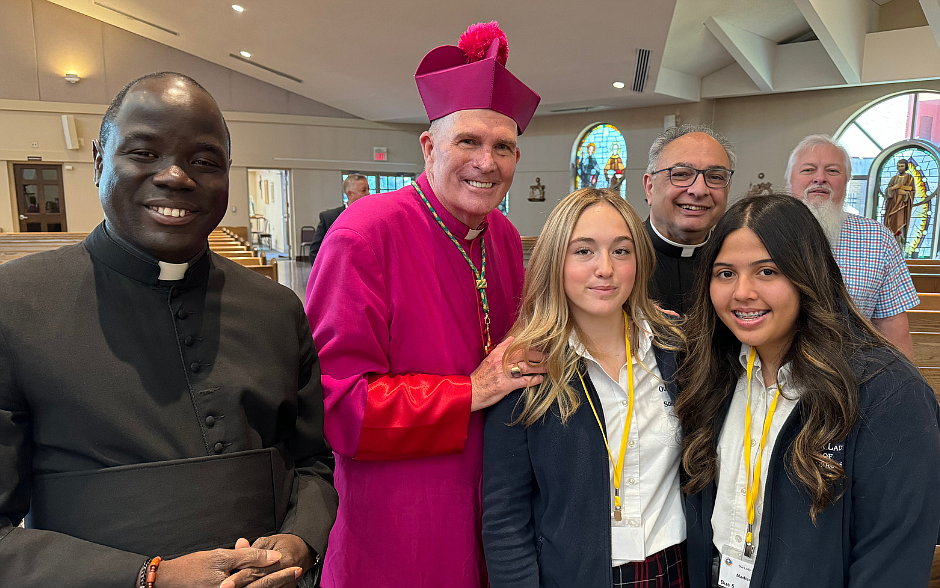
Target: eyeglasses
683	177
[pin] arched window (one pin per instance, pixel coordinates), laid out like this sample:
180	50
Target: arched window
898	126
598	159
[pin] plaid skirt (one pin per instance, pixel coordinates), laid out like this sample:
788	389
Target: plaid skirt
665	569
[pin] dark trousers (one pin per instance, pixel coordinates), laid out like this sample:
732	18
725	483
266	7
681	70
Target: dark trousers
665	569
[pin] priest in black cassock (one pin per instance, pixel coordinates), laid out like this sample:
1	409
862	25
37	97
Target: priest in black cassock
157	400
687	182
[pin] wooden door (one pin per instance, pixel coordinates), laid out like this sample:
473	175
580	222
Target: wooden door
40	198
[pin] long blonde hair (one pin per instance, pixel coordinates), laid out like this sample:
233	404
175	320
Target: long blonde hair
544	322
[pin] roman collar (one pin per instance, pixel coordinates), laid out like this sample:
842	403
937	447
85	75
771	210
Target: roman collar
125	258
459	230
671	248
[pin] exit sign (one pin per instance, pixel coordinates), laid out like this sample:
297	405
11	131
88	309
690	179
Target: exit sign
380	153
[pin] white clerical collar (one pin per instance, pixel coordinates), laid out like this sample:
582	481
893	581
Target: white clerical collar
172	272
687	250
473	234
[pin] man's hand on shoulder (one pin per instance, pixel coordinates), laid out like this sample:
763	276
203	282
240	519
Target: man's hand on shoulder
490	383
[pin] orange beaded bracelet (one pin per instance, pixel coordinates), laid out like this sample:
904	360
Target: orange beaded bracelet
148	573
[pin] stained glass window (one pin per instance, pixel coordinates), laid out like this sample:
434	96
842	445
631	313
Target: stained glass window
503	205
899	126
379	183
922	166
599	159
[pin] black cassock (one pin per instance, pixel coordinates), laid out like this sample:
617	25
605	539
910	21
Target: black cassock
141	417
672	282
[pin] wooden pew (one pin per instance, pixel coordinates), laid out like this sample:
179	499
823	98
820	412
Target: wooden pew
240	251
17	245
528	243
240	232
935	571
928	301
926	282
246	260
924	321
268	271
231	254
926	349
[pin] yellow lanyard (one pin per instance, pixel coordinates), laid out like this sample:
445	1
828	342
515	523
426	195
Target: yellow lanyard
618	465
753	482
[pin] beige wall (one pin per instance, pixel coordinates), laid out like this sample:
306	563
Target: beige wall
273	128
315	149
546	153
766	128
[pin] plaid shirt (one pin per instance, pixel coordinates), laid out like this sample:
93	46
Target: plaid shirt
875	274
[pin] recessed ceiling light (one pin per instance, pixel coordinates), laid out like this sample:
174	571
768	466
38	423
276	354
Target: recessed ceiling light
619	85
238	8
245	54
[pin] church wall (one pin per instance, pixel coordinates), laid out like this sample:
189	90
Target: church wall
546	153
42	41
766	128
325	146
273	128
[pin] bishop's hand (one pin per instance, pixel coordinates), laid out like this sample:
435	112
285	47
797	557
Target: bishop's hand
490	383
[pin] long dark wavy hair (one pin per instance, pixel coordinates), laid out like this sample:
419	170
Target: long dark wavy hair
828	331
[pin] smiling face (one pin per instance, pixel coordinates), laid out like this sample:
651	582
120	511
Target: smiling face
163	175
470	157
819	175
686	215
600	265
752	297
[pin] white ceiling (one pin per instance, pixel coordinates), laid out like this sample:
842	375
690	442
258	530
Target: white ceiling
360	56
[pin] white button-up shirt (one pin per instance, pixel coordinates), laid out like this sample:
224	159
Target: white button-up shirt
729	519
651	503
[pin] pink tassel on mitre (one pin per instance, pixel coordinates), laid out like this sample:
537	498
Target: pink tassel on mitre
477	40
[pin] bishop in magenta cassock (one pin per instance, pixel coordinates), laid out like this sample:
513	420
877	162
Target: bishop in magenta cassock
408	299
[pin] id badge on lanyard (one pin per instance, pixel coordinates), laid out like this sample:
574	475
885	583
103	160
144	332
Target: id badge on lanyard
735	568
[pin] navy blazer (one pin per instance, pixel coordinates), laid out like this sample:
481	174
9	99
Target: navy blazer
546	494
880	533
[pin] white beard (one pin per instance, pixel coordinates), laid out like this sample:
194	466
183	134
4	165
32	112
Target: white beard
830	215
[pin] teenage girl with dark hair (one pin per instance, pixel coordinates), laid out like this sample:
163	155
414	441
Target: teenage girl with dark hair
811	445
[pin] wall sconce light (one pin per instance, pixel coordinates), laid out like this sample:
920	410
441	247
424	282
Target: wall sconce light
72	78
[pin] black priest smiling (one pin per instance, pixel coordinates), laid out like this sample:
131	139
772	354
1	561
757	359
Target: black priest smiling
159	428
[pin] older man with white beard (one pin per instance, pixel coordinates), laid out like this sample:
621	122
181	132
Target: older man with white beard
871	262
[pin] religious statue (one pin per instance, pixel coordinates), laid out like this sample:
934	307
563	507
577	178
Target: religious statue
899	202
587	168
614	166
537	192
760	189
